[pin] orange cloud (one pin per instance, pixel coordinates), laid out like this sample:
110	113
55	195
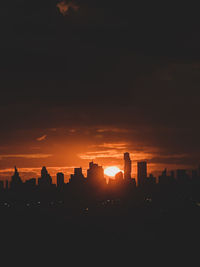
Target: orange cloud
65	6
113	145
113	130
101	154
27	156
41	138
114	153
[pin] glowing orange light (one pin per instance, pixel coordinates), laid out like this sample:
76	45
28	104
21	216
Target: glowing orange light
111	171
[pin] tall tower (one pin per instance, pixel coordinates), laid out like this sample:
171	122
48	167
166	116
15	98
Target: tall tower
141	172
15	180
60	179
127	166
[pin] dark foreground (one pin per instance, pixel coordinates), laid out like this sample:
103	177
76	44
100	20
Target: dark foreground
51	232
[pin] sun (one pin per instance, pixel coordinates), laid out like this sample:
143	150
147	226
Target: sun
111	171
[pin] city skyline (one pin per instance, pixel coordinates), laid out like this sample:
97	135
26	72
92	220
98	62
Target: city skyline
142	172
99	131
107	154
79	82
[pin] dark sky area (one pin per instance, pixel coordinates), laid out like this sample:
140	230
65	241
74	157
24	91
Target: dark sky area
104	74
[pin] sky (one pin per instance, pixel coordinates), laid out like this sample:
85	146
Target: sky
89	80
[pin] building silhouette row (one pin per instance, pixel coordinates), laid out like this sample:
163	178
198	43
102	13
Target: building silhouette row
95	177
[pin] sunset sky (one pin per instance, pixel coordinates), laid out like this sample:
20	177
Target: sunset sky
83	80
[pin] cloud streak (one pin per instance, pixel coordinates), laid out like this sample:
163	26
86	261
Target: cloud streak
43	137
27	156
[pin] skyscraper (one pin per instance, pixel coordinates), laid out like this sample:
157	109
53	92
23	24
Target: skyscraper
1	185
127	166
95	174
15	180
77	178
45	179
141	172
119	177
60	179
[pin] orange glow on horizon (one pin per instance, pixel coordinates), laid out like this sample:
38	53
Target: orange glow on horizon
112	171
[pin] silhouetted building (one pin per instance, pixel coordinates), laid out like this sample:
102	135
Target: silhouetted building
60	180
172	175
164	179
151	179
182	176
194	175
119	177
141	172
6	185
127	166
164	173
1	185
30	183
95	174
16	181
77	178
45	180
